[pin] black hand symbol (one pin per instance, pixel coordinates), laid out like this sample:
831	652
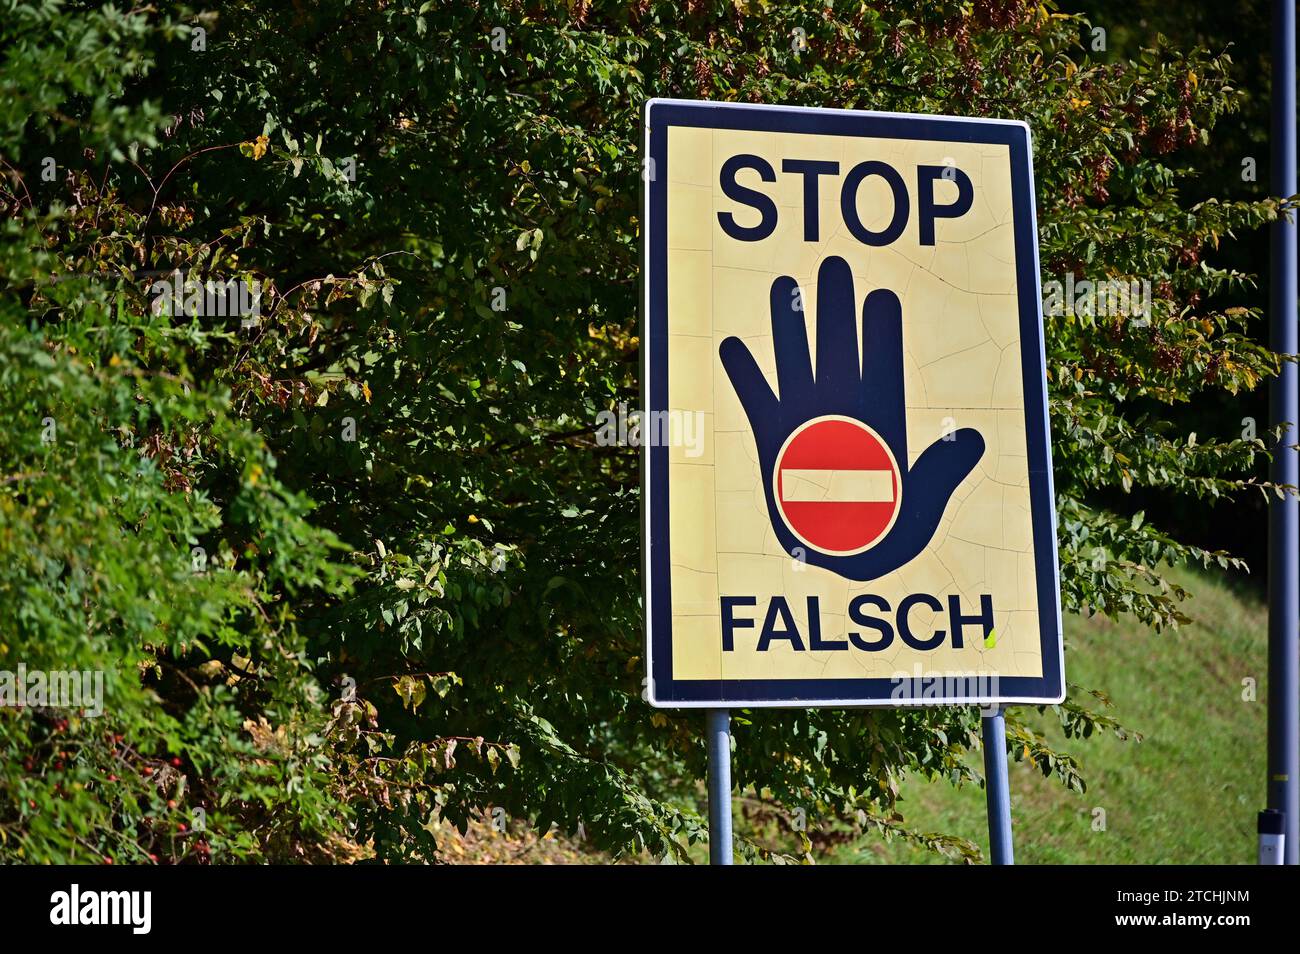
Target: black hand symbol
873	396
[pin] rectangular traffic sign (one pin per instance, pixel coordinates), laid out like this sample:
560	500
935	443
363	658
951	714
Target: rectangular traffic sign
842	309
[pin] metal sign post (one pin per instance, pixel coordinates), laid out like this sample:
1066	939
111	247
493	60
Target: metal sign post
997	789
1283	514
718	729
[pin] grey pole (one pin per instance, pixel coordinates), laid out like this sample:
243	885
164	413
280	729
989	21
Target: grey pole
717	728
1283	515
997	790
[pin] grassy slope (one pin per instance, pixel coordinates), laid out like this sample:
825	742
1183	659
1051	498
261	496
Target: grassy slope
1186	794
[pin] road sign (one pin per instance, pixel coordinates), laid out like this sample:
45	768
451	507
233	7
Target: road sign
842	312
836	485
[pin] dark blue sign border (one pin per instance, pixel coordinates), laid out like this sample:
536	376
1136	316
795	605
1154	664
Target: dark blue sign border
661	117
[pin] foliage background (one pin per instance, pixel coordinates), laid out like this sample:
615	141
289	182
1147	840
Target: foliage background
1243	31
441	616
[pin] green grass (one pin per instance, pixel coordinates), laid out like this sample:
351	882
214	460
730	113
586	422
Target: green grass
1187	793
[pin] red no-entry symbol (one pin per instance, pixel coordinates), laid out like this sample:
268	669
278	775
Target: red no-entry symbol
837	485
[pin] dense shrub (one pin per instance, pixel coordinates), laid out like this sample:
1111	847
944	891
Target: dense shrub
363	561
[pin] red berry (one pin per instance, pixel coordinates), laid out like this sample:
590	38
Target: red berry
171	803
112	777
180	826
176	762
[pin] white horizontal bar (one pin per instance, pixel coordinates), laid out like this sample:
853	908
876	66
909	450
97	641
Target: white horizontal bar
837	486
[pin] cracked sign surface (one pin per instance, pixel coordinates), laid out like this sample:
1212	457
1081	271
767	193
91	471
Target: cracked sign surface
847	470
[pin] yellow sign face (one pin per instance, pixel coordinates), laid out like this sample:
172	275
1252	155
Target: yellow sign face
847	468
